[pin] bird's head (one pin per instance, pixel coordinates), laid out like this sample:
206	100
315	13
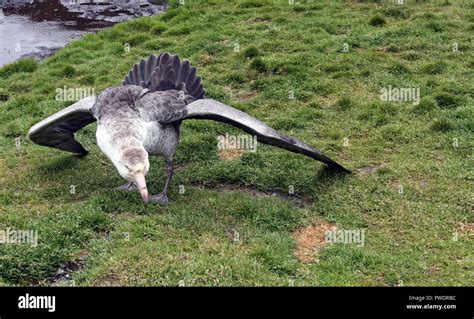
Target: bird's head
133	165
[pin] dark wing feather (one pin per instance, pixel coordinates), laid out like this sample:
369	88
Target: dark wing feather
58	129
214	110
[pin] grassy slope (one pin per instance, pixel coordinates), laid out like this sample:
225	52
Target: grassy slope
283	48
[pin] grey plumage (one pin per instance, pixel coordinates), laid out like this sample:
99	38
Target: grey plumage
144	115
214	110
58	130
166	72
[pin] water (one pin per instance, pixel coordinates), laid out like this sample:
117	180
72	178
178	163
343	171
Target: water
19	35
39	28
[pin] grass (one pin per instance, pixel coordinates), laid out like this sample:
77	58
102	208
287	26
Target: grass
413	237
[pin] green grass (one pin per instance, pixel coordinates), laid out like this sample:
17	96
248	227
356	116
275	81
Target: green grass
283	48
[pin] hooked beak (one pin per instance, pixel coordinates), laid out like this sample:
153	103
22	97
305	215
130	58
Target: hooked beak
141	184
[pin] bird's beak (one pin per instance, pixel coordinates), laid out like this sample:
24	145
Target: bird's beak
141	184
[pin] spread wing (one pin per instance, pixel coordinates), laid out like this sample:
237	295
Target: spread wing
58	129
213	110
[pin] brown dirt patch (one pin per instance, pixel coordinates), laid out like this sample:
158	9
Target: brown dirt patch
107	281
206	59
229	154
125	215
467	229
64	273
310	240
247	95
369	169
421	183
231	149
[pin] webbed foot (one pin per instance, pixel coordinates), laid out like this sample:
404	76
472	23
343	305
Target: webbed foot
129	187
161	198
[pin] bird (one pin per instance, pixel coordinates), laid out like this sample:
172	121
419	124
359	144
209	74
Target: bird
142	118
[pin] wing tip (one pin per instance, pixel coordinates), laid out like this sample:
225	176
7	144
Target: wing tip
82	154
339	168
31	133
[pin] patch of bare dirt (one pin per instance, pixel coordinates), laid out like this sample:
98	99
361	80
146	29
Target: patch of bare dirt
310	240
229	154
107	281
125	215
206	59
247	95
231	147
257	20
180	166
467	229
65	271
421	183
369	169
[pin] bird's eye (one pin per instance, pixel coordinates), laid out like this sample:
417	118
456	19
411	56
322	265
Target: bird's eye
127	167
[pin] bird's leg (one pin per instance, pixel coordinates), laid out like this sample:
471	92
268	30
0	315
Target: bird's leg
162	197
130	187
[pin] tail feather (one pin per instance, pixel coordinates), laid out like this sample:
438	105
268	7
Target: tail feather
166	72
183	72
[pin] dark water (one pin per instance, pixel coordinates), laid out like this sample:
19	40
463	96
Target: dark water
39	28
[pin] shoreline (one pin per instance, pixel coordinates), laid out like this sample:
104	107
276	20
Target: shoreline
48	27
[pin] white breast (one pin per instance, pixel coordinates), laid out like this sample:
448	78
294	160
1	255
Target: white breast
104	142
157	139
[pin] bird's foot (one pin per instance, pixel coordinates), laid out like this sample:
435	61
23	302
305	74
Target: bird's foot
161	198
129	187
